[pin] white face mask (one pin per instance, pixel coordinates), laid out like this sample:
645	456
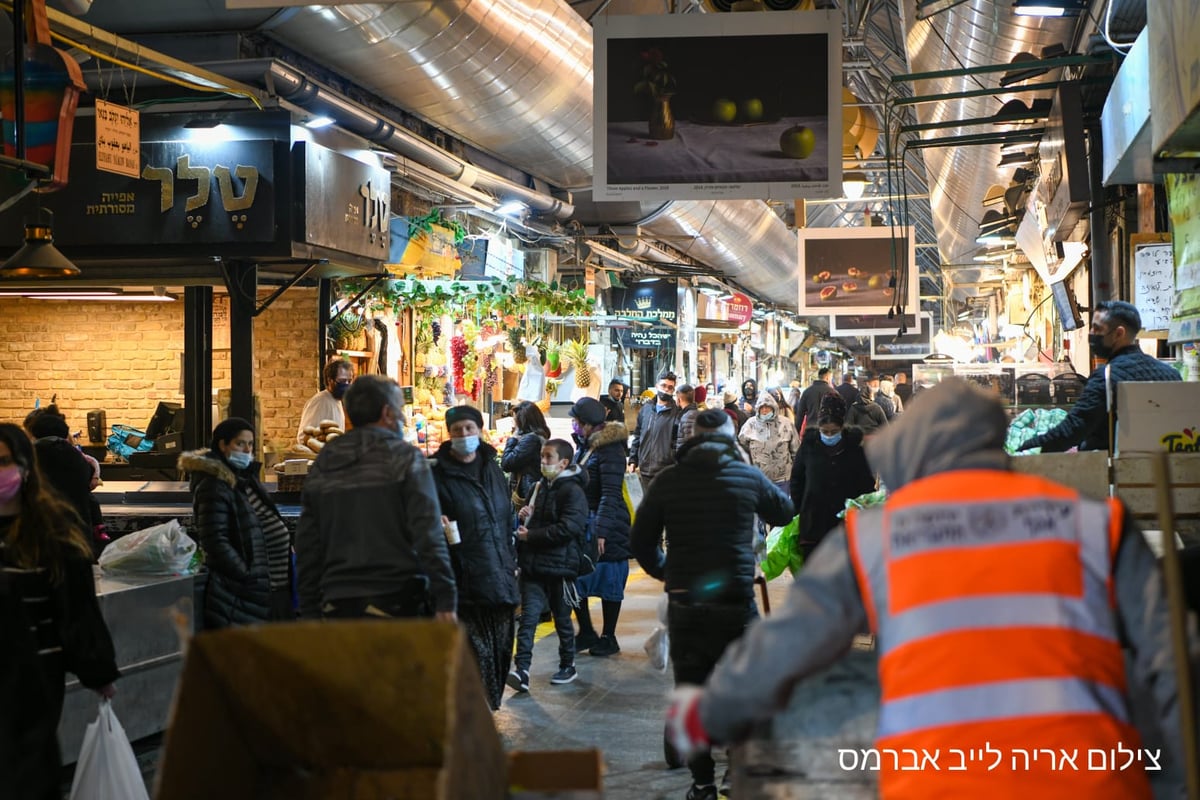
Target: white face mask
551	471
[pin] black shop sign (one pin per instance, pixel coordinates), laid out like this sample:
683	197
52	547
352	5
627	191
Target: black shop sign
649	301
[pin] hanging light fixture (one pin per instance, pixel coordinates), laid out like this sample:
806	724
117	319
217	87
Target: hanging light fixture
854	185
39	258
1050	8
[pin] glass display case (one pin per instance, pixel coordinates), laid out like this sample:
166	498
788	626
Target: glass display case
1017	385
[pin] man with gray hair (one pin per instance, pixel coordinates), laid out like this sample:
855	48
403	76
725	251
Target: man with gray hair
370	541
706	503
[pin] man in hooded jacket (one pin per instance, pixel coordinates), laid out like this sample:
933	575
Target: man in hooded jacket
707	504
1001	603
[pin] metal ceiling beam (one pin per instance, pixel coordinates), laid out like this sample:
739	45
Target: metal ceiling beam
976	138
960	123
936	98
991	69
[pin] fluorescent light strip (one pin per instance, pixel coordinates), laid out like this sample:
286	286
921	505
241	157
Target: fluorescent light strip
126	298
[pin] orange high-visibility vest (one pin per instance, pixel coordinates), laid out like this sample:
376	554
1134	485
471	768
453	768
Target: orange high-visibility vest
991	597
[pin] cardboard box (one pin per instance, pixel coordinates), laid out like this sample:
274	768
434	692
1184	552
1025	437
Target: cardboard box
555	775
1156	416
339	711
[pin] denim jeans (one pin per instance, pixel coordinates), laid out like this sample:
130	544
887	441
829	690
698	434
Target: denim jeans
538	594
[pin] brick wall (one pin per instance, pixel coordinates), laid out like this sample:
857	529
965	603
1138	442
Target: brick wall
126	357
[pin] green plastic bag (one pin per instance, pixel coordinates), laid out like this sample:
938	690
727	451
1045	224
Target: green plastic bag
782	552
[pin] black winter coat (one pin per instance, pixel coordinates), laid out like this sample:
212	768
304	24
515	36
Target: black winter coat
824	478
809	404
867	415
522	460
37	617
485	561
603	456
614	409
231	535
1086	424
557	528
707	504
70	474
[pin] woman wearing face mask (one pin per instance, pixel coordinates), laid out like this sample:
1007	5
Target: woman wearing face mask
830	468
247	548
474	494
771	440
50	622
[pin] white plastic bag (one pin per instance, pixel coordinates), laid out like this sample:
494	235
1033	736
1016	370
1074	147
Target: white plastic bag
107	768
658	644
533	382
159	550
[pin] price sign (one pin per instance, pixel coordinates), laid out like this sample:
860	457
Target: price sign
118	139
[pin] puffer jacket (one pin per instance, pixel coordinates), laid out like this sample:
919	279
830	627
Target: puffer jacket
485	561
557	528
603	457
231	535
653	446
685	425
707	504
522	460
771	445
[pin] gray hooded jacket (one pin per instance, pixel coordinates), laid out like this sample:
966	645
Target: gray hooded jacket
954	427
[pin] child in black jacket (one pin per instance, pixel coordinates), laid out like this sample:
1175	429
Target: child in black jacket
550	544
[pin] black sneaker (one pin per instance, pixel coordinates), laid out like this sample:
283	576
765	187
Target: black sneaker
565	675
607	646
586	641
702	792
518	679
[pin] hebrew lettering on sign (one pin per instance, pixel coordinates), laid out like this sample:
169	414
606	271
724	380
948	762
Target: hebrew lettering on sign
231	200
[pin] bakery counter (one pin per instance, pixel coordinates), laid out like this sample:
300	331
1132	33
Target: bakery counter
129	506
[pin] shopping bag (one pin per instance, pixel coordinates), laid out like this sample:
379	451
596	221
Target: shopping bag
658	644
158	550
783	551
107	768
631	491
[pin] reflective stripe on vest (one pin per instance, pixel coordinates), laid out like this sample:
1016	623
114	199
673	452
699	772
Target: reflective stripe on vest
1034	598
1006	699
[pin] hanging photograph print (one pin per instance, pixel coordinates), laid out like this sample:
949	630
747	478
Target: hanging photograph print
706	106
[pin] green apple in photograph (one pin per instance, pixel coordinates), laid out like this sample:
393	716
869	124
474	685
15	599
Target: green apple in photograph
797	142
724	110
875	282
752	109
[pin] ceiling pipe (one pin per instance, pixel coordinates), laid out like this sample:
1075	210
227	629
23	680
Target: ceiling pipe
295	87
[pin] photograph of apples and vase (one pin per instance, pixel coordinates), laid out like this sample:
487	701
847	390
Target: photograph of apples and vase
850	270
740	109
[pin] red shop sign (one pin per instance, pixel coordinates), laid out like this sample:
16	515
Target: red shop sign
739	308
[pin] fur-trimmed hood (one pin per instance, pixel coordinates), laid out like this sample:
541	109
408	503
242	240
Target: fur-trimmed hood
608	433
205	462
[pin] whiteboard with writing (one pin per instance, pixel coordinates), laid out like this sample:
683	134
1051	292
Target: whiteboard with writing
1154	284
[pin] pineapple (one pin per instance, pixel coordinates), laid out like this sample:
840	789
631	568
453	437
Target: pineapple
515	344
576	355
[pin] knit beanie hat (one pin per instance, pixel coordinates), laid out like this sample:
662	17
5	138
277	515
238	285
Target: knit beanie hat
833	409
462	413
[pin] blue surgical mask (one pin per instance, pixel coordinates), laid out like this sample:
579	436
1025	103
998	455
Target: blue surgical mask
767	417
465	445
831	440
238	459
